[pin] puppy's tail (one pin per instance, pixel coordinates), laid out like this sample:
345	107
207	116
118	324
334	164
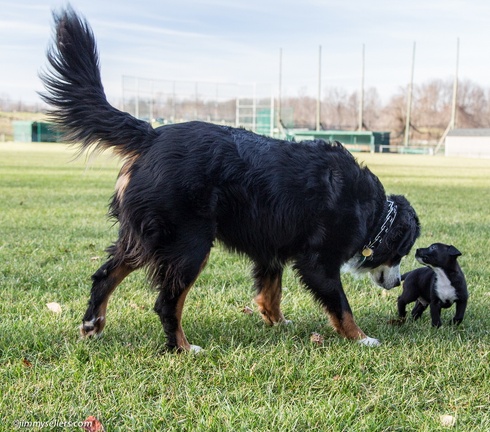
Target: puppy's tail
74	90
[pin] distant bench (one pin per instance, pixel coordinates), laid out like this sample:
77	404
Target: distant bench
407	149
359	147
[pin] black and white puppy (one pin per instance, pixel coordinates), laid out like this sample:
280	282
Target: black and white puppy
440	284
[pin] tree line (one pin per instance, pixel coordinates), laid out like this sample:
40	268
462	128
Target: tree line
430	114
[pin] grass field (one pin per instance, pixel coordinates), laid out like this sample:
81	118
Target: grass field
251	377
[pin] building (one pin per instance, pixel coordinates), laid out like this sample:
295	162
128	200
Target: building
29	131
355	141
468	143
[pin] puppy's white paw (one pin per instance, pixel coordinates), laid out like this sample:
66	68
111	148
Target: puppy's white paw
368	341
196	349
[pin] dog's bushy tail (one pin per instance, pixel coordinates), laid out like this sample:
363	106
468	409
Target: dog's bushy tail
74	90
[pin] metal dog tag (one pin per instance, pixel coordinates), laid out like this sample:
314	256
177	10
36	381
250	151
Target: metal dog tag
367	252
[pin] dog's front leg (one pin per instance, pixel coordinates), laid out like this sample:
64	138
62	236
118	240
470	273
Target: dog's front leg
460	310
435	312
342	318
328	290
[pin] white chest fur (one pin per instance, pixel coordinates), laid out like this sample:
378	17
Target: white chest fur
445	291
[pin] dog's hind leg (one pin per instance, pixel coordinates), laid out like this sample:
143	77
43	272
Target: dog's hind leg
419	308
268	284
176	278
104	282
406	298
402	309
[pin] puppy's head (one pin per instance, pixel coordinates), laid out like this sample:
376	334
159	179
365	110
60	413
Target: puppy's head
383	263
437	255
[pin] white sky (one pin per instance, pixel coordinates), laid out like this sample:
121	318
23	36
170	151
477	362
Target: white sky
238	41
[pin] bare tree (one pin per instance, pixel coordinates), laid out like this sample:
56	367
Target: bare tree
472	105
431	109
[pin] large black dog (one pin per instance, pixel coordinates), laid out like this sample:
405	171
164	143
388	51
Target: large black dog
182	186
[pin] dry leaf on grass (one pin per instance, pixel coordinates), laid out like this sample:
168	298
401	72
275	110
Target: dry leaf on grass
91	424
316	338
395	321
54	307
26	363
448	420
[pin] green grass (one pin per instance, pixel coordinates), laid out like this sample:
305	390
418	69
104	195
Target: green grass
251	377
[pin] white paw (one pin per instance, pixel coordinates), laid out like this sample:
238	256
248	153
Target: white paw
196	349
368	341
284	322
87	330
92	328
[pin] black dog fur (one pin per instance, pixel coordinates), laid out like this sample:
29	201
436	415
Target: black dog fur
184	185
439	285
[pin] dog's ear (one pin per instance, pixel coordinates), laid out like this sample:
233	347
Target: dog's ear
405	244
453	251
408	240
412	230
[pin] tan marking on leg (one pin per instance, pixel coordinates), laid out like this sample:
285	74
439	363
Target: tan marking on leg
117	275
269	300
182	343
346	326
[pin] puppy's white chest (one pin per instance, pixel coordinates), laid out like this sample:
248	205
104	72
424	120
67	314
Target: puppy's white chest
445	291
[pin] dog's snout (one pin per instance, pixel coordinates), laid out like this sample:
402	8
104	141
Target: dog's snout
386	277
393	283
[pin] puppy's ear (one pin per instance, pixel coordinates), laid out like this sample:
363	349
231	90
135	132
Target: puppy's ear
453	251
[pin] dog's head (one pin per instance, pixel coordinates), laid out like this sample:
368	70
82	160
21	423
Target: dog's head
437	255
382	261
